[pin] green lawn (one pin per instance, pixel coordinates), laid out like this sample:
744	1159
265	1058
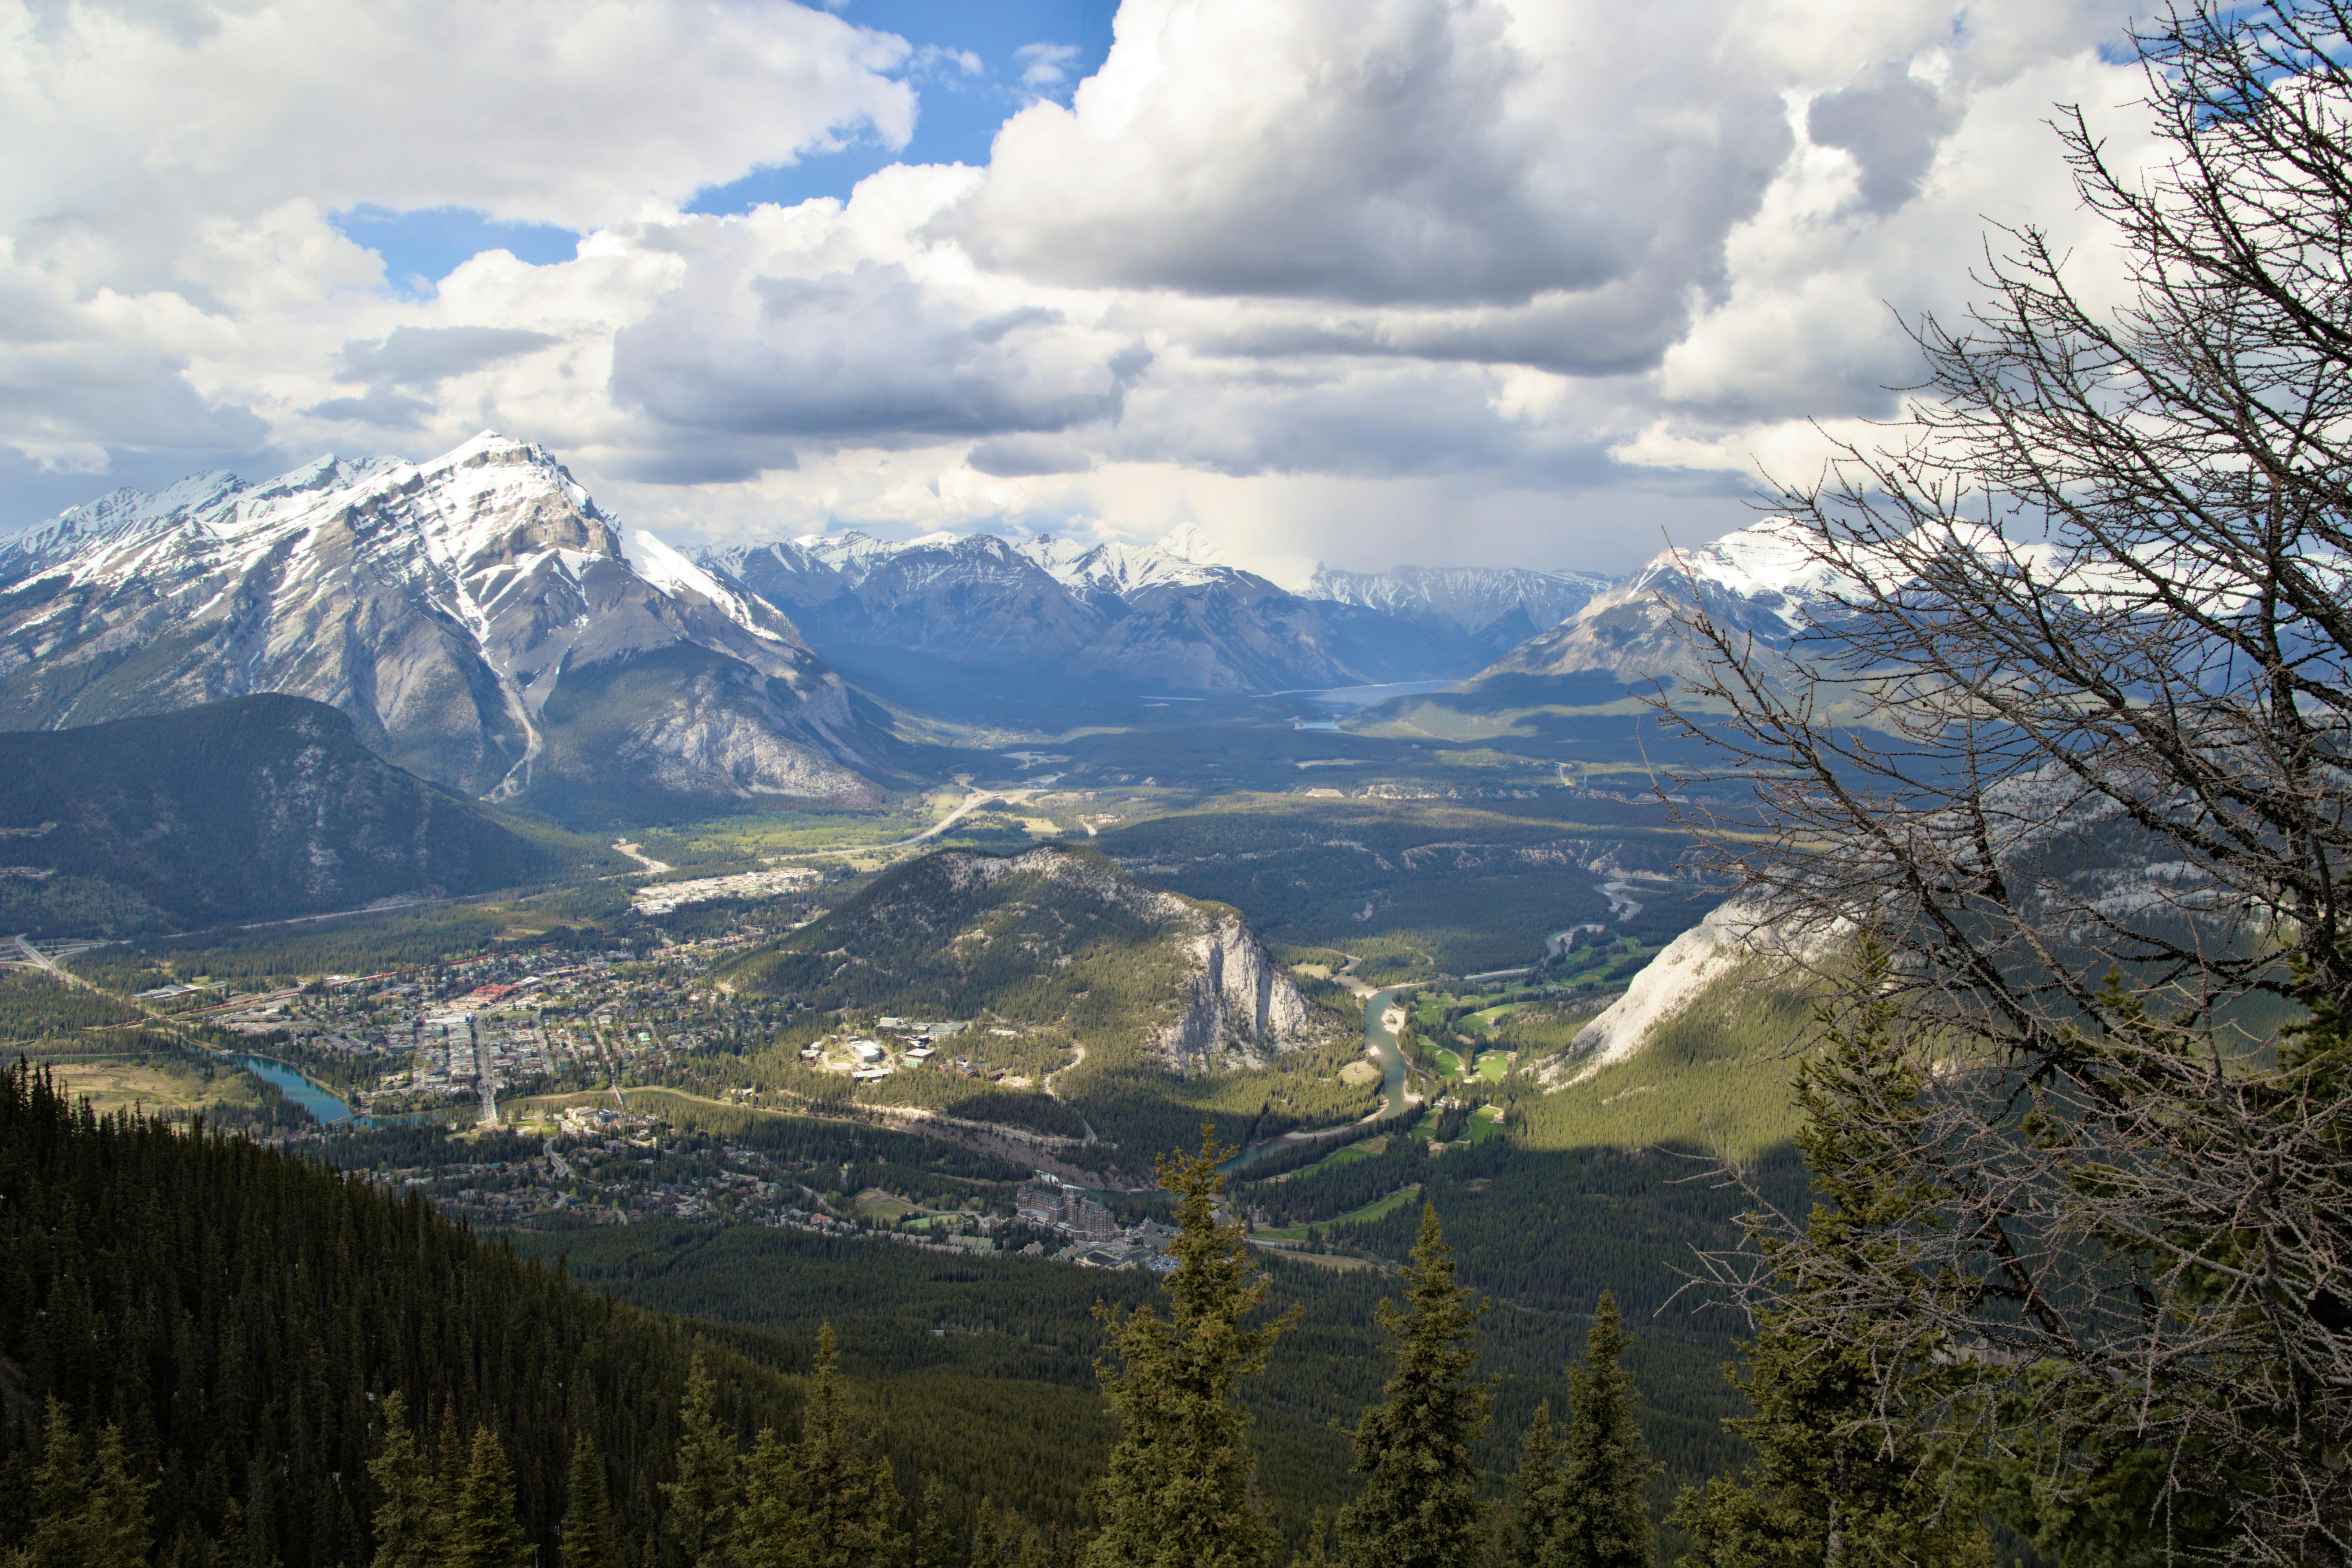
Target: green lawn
1372	1210
1493	1065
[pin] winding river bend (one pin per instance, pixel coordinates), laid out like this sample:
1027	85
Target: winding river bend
1380	1045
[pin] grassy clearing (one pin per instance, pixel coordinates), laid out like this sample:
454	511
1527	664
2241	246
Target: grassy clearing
155	1087
1370	1211
1333	1262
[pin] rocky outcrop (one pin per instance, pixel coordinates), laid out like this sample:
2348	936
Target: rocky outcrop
1242	1008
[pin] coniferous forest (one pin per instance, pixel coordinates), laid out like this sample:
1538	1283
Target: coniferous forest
216	1353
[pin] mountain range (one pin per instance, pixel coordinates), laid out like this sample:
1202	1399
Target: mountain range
1171	616
488	627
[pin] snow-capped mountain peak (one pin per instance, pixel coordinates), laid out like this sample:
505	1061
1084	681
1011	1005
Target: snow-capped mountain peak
1501	605
1121	569
1767	564
441	603
1760	580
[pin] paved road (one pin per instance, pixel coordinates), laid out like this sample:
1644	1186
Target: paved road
972	803
39	960
483	1078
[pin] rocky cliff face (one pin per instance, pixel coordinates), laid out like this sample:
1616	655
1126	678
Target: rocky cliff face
476	615
1243	1008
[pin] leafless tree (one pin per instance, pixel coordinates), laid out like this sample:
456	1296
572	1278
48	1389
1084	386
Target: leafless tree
2072	742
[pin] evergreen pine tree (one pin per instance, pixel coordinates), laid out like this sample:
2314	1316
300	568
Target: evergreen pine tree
1832	1485
1420	1506
1532	1533
454	1457
116	1534
771	1518
405	1523
588	1540
987	1546
87	1514
935	1545
850	1499
1319	1546
1180	1489
483	1530
60	1496
1605	1466
702	1502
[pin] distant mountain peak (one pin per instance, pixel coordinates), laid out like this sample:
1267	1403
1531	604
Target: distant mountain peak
1499	606
1759	580
1188	542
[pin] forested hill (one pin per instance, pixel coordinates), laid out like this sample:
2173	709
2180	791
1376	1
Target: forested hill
1110	1016
241	1317
259	807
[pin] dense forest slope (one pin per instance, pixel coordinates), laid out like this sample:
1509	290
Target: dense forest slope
259	807
240	1316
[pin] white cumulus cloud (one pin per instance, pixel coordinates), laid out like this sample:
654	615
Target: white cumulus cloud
1359	279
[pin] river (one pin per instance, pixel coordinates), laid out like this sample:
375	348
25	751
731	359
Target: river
1380	1045
311	1096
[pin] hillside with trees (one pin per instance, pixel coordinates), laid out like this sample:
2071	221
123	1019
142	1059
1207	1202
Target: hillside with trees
259	807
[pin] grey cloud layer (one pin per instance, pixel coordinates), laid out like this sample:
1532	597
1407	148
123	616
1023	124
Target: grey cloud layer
1891	122
867	357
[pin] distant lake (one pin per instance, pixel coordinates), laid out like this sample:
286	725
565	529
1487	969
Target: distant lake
309	1096
1347	698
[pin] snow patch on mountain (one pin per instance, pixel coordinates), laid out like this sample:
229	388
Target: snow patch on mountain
664	568
1188	542
1760	581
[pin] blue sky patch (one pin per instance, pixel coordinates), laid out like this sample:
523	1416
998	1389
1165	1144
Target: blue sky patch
1025	49
421	246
